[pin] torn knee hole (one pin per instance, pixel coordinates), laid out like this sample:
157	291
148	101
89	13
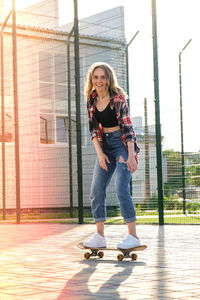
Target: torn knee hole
121	160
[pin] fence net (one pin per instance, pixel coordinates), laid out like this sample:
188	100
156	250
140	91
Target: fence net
47	120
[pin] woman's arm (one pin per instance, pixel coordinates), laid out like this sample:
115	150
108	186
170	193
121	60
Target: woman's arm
131	162
126	123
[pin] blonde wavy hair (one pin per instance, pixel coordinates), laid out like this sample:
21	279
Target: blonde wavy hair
113	86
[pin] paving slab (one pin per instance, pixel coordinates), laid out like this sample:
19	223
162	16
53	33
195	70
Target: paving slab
41	261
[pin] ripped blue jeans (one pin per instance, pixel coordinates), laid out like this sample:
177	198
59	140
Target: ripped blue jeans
117	154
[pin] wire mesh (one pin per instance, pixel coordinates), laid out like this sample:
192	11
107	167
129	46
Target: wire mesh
45	123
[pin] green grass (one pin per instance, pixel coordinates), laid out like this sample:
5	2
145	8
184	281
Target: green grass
154	220
144	220
37	214
114	217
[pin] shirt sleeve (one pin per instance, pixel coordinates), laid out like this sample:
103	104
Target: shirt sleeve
92	122
126	124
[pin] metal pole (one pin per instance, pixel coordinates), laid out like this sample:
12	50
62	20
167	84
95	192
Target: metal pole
78	116
3	132
69	122
127	84
3	118
157	115
15	90
127	64
181	125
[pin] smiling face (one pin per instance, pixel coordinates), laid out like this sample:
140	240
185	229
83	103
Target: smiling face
99	81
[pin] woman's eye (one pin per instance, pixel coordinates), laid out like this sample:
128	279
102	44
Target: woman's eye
96	77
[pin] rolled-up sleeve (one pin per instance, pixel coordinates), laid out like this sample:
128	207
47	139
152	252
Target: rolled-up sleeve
93	124
126	124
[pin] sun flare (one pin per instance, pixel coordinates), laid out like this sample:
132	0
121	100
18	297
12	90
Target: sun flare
19	4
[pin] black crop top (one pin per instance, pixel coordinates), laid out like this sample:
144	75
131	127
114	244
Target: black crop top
107	117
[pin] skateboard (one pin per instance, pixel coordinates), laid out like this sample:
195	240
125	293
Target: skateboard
125	253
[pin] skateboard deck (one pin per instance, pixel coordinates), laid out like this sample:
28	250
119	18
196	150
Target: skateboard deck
125	253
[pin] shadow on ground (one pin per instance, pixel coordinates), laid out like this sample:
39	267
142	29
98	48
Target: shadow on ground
106	290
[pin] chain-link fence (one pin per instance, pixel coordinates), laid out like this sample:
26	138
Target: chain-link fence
47	123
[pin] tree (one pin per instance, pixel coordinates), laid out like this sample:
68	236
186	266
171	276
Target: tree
193	170
174	180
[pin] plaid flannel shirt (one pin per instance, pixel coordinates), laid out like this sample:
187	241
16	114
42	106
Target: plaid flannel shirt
124	121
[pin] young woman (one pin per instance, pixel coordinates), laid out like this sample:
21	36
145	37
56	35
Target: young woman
115	144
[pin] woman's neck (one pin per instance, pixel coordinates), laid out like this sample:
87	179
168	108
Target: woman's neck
102	96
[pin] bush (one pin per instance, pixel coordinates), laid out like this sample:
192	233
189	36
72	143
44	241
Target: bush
153	203
171	203
193	207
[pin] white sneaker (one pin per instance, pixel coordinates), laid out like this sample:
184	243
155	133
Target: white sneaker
129	242
97	241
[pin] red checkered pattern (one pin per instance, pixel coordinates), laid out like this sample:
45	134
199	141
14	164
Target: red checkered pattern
124	121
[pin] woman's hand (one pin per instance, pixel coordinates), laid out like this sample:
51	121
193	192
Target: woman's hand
102	161
131	163
101	156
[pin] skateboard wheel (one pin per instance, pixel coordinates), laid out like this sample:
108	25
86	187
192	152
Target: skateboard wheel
120	257
133	256
87	255
101	254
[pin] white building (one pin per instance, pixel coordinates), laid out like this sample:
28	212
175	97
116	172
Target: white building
43	107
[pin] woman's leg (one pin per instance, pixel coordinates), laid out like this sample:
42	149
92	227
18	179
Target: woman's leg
100	228
101	179
132	229
122	183
123	177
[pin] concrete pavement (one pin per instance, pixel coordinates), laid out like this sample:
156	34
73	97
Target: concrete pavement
41	261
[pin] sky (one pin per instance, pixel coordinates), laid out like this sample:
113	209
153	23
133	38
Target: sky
177	22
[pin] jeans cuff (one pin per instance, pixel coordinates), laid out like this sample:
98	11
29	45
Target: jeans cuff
99	220
133	219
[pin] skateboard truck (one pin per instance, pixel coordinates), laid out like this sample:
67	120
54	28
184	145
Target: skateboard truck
94	252
125	253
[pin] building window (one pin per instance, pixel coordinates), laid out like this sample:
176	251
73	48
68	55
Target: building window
53	82
46	86
47	129
61	130
53	97
60	79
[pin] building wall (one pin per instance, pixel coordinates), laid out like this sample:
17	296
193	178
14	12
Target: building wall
42	70
43	168
2	10
107	24
43	14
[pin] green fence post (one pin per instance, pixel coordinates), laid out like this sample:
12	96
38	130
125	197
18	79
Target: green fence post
78	116
157	115
181	125
69	122
127	84
16	113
